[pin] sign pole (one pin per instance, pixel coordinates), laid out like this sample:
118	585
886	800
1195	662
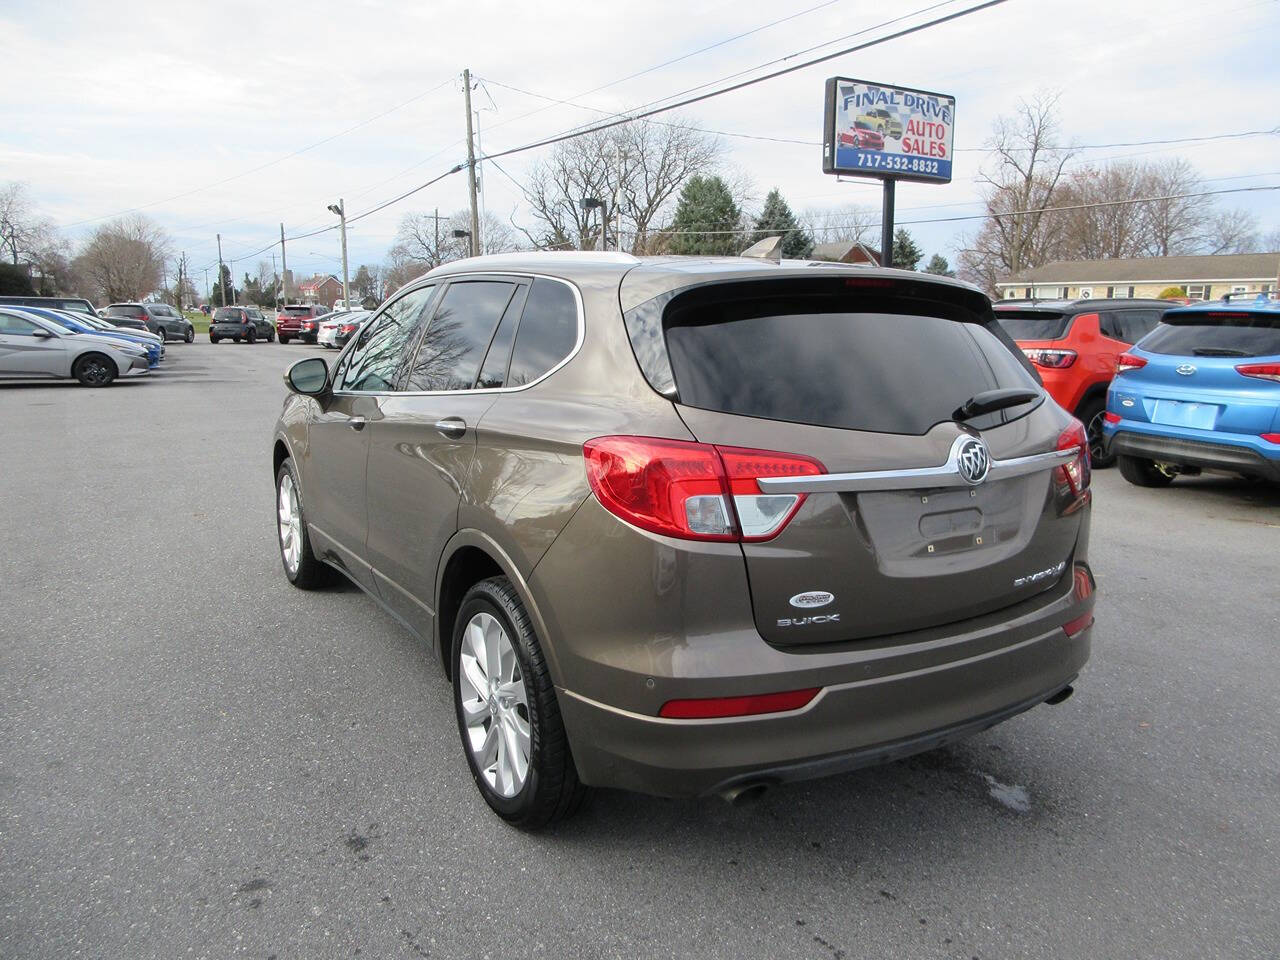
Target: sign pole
886	224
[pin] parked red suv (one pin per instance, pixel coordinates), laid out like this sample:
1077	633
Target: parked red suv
301	320
1074	345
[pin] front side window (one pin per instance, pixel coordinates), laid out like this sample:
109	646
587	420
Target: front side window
456	340
374	363
16	326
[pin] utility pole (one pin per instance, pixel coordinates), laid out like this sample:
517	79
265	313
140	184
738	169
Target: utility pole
471	168
275	276
206	283
342	218
221	285
284	267
436	220
235	294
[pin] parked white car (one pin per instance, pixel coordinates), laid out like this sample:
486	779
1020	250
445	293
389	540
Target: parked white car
32	347
337	328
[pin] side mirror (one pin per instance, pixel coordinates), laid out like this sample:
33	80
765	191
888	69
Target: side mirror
309	377
40	333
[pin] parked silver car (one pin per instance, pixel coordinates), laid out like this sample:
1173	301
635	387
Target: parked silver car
31	347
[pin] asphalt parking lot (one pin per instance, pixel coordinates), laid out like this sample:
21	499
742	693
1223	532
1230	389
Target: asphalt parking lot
201	761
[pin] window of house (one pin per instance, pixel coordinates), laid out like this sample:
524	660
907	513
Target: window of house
1048	293
1122	293
1197	291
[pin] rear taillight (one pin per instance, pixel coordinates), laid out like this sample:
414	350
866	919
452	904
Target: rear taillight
1050	358
695	491
708	707
1075	472
1271	437
1262	371
1129	361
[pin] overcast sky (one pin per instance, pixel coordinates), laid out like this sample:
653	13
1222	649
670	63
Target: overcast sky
143	103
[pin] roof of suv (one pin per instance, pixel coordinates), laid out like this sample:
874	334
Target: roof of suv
1262	303
648	277
1080	306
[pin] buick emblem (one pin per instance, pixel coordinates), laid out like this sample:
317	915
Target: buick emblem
1186	369
973	460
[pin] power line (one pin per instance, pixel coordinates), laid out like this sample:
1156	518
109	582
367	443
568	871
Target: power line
269	163
631	117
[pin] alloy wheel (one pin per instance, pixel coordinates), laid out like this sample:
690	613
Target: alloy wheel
495	705
96	372
1094	430
289	522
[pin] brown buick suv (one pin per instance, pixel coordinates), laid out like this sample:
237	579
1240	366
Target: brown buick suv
689	526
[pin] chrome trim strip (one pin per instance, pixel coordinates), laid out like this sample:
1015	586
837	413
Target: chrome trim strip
916	478
495	275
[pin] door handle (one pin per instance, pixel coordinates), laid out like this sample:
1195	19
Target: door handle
451	427
357	423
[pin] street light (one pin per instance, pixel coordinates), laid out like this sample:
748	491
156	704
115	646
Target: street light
591	203
340	210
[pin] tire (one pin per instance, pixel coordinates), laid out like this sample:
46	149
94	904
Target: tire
94	370
191	335
1143	473
271	335
236	339
284	340
1090	414
550	790
253	335
307	573
164	337
213	339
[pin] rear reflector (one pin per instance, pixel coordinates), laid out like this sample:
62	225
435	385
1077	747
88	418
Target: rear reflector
1080	623
710	707
1075	472
1129	361
1262	371
1111	417
1082	588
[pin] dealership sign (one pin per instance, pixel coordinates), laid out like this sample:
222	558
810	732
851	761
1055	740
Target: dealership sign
873	130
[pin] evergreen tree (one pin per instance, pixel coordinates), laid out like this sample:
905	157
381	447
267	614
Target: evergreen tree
707	221
938	265
905	252
224	282
777	220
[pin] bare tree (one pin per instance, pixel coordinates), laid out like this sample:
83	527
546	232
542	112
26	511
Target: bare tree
1104	226
636	166
1021	179
848	224
424	244
124	259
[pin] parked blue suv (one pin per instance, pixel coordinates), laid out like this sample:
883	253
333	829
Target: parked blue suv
1201	391
79	324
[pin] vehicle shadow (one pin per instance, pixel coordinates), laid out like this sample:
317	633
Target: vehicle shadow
1228	490
36	384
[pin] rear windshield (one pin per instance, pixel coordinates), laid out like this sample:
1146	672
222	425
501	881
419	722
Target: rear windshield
1216	335
884	368
226	313
1033	324
124	311
297	311
78	306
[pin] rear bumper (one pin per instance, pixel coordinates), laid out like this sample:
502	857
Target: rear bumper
849	725
1247	455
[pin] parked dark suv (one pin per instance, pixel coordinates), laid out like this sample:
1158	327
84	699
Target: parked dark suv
691	526
157	317
240	323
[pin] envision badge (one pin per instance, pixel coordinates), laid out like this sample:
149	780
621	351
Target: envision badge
1186	369
973	460
814	598
1044	574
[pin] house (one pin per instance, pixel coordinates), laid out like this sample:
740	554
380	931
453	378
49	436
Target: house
845	251
1201	277
323	289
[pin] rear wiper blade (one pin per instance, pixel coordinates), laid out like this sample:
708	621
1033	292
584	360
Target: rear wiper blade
1220	352
989	401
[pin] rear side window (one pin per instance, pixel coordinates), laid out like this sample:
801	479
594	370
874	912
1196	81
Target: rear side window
814	360
1216	334
1132	325
548	331
1034	324
459	334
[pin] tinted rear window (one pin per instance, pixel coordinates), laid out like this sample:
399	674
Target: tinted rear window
812	360
1033	324
226	313
297	311
124	311
1226	334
